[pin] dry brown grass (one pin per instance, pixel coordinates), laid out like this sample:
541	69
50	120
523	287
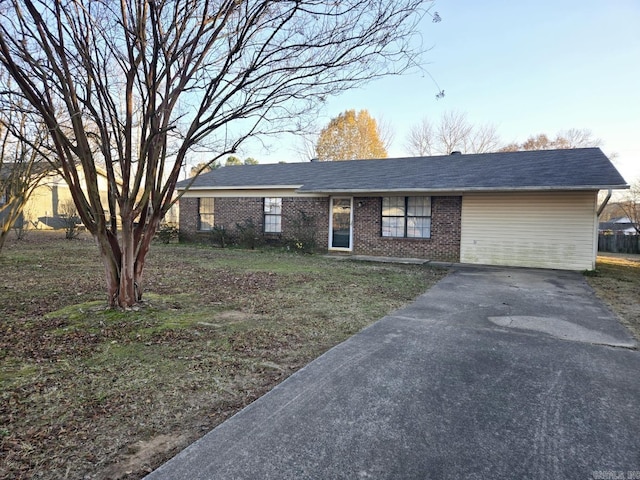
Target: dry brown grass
617	281
94	393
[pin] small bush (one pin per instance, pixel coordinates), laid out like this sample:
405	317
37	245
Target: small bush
70	220
304	232
221	236
167	233
20	228
248	234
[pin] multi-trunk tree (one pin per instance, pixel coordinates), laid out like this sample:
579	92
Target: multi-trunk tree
136	86
630	205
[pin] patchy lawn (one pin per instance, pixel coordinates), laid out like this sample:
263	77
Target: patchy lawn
94	393
616	280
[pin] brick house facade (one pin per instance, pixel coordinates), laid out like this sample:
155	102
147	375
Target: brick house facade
442	245
527	209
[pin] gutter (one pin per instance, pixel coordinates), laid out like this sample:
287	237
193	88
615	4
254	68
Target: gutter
241	187
583	188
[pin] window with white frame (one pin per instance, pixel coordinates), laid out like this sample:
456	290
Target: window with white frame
272	215
406	217
205	214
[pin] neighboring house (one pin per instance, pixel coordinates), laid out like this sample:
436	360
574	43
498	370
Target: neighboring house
51	201
619	226
531	208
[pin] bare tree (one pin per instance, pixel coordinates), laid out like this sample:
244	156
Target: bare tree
421	139
452	133
482	139
572	138
150	81
631	205
305	146
386	132
22	166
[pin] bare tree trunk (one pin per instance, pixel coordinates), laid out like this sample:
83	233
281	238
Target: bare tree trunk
127	294
120	290
3	238
124	260
12	214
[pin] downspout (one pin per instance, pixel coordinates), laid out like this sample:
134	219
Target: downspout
604	202
600	209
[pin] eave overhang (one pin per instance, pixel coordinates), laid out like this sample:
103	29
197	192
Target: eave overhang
358	191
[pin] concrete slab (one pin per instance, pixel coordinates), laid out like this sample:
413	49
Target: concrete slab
443	390
370	258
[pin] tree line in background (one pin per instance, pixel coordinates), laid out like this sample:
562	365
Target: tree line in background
232	160
357	135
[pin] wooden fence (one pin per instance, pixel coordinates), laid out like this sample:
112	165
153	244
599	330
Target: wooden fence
619	243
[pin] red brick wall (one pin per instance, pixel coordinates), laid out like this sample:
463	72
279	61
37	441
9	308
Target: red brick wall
227	212
230	211
316	207
188	220
444	244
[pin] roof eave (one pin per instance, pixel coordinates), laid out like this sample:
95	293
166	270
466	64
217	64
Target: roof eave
242	187
467	189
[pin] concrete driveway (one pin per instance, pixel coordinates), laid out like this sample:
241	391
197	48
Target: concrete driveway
493	373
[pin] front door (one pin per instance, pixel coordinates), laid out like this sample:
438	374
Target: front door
340	233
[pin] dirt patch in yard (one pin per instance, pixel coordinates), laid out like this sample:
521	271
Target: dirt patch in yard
142	456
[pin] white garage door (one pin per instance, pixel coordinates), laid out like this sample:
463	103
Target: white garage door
554	230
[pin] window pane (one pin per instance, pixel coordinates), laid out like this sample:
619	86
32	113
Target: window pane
205	213
273	206
206	222
393	206
393	226
205	205
418	227
272	215
419	207
272	223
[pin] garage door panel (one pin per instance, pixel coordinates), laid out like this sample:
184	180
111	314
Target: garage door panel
533	230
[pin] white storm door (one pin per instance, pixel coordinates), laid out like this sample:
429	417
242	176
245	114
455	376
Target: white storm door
341	224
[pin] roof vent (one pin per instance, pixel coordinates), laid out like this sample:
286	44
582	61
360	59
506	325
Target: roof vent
456	152
314	160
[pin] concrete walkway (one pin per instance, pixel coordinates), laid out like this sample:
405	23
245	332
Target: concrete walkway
493	373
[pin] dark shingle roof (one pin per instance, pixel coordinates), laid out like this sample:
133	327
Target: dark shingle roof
575	169
615	227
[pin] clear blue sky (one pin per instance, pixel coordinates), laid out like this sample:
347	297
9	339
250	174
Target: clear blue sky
526	67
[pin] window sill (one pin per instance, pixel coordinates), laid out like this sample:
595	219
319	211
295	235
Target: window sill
410	239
